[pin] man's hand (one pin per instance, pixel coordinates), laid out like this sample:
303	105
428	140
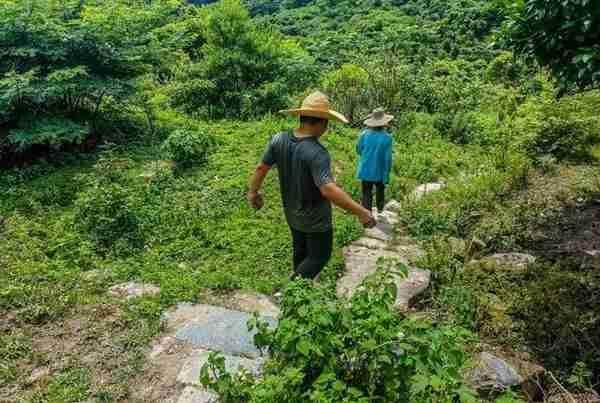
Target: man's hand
256	200
367	219
341	199
254	197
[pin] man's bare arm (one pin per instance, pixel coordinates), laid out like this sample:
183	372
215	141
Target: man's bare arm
337	196
256	181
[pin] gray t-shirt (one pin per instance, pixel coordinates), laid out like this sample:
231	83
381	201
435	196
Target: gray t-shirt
304	165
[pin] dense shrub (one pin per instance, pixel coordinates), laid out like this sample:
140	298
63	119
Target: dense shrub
187	145
105	213
241	70
347	86
468	128
565	128
61	61
327	350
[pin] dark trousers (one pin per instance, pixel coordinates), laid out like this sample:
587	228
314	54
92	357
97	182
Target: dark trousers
311	252
367	195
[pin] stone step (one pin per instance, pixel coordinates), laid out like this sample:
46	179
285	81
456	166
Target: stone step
382	231
425	188
196	395
214	328
362	262
133	290
189	375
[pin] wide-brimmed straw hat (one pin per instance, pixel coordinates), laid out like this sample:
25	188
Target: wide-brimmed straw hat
378	118
316	105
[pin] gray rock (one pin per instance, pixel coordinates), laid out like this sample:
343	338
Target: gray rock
409	287
360	263
388	217
37	374
215	328
190	372
589	397
164	344
591	259
196	395
393	206
492	373
133	290
516	260
382	231
370	243
422	190
249	301
409	252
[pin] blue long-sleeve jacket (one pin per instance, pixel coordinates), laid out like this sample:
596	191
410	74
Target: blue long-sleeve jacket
375	150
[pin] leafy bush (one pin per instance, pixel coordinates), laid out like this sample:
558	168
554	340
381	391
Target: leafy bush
61	61
240	70
50	131
559	35
329	351
565	128
467	128
347	86
104	211
186	145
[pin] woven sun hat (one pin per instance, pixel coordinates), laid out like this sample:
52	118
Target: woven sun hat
316	105
378	118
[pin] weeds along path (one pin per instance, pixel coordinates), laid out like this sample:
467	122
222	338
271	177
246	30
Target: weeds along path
192	331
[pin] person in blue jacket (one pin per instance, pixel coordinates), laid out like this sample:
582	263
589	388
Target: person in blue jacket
375	150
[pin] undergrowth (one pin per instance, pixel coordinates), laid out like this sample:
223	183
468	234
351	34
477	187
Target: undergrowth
361	350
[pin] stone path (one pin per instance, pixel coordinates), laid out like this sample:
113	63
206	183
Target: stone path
386	240
192	331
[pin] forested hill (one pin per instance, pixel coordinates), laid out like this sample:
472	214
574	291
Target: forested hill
128	131
338	31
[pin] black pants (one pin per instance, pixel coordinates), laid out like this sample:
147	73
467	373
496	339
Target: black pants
367	195
311	252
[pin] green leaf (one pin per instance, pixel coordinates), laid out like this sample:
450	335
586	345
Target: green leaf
303	347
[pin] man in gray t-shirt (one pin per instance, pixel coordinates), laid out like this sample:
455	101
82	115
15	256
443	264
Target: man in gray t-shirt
307	185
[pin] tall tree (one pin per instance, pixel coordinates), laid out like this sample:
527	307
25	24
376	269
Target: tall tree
563	35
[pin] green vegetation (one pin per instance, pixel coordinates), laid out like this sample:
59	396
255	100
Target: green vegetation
561	35
326	350
173	106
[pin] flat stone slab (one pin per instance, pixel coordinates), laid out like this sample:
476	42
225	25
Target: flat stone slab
133	290
190	372
249	301
409	252
422	190
415	283
505	260
388	217
591	259
382	231
370	243
196	395
393	206
362	262
214	328
492	373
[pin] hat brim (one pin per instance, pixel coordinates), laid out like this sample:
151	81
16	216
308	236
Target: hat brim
316	113
372	122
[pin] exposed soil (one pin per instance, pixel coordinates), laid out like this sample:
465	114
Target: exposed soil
96	338
568	234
